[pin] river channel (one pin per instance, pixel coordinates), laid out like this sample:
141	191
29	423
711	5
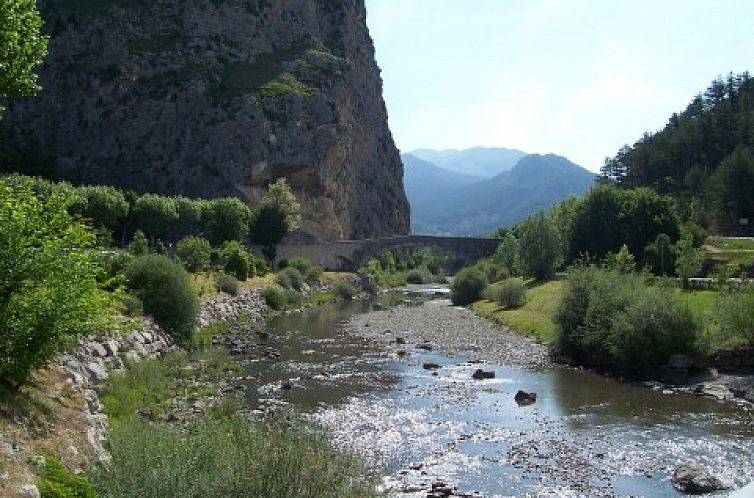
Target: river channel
586	435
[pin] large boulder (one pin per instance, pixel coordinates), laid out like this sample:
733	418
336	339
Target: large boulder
691	478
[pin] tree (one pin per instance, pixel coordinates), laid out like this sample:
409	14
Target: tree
539	245
194	252
622	262
189	216
226	219
22	47
140	244
735	187
105	206
278	216
155	214
48	289
508	255
688	261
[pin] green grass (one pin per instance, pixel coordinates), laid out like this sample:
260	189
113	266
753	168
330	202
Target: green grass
733	257
734	244
203	336
533	319
234	456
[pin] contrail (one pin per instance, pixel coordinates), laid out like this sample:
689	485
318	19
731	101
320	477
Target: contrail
601	32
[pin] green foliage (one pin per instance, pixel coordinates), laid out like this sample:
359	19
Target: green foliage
508	255
281	456
345	291
310	272
389	270
290	278
48	284
194	252
281	299
468	285
417	276
104	206
55	481
285	84
734	312
278	215
700	154
609	217
688	262
622	262
236	260
660	255
228	284
165	289
155	214
189	216
510	293
225	220
205	334
539	245
22	47
139	244
613	321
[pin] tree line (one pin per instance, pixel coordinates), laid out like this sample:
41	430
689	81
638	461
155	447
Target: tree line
703	157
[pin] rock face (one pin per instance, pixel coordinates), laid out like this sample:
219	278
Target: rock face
208	98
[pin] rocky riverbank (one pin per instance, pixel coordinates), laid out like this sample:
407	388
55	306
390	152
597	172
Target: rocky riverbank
454	330
65	415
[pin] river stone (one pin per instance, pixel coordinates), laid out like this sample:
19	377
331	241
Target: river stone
29	491
111	347
96	371
97	350
691	478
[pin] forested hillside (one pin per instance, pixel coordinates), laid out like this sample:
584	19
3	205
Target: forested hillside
706	152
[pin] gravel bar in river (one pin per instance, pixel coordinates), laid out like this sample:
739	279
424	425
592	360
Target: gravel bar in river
439	325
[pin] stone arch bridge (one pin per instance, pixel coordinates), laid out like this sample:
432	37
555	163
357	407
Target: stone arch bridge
349	255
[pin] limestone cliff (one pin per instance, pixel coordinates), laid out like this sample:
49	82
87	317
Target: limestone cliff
220	97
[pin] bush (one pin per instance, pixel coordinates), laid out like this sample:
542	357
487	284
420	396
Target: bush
345	291
139	244
164	287
418	276
612	321
281	299
214	457
55	481
468	286
236	260
290	278
510	293
228	284
735	314
48	286
194	252
309	271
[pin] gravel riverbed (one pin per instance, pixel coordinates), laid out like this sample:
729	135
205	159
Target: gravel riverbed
438	325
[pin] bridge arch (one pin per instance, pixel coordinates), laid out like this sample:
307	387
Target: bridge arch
349	255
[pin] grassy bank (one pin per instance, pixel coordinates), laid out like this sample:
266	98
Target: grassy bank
535	318
219	453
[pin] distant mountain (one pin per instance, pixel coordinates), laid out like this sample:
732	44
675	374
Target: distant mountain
424	180
477	161
535	182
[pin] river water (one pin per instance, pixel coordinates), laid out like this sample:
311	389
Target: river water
586	435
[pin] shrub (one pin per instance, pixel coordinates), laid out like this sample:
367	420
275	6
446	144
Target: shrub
511	292
194	252
236	260
613	321
418	276
345	291
281	299
309	271
214	457
48	286
468	286
228	284
56	482
290	278
164	286
139	244
735	314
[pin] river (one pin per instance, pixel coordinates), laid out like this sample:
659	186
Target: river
586	435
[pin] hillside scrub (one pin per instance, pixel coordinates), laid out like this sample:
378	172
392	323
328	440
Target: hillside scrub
468	286
510	293
612	321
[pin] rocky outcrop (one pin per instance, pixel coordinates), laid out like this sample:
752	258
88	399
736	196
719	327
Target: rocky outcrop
208	98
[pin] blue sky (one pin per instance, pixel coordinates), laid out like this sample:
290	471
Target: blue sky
574	77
